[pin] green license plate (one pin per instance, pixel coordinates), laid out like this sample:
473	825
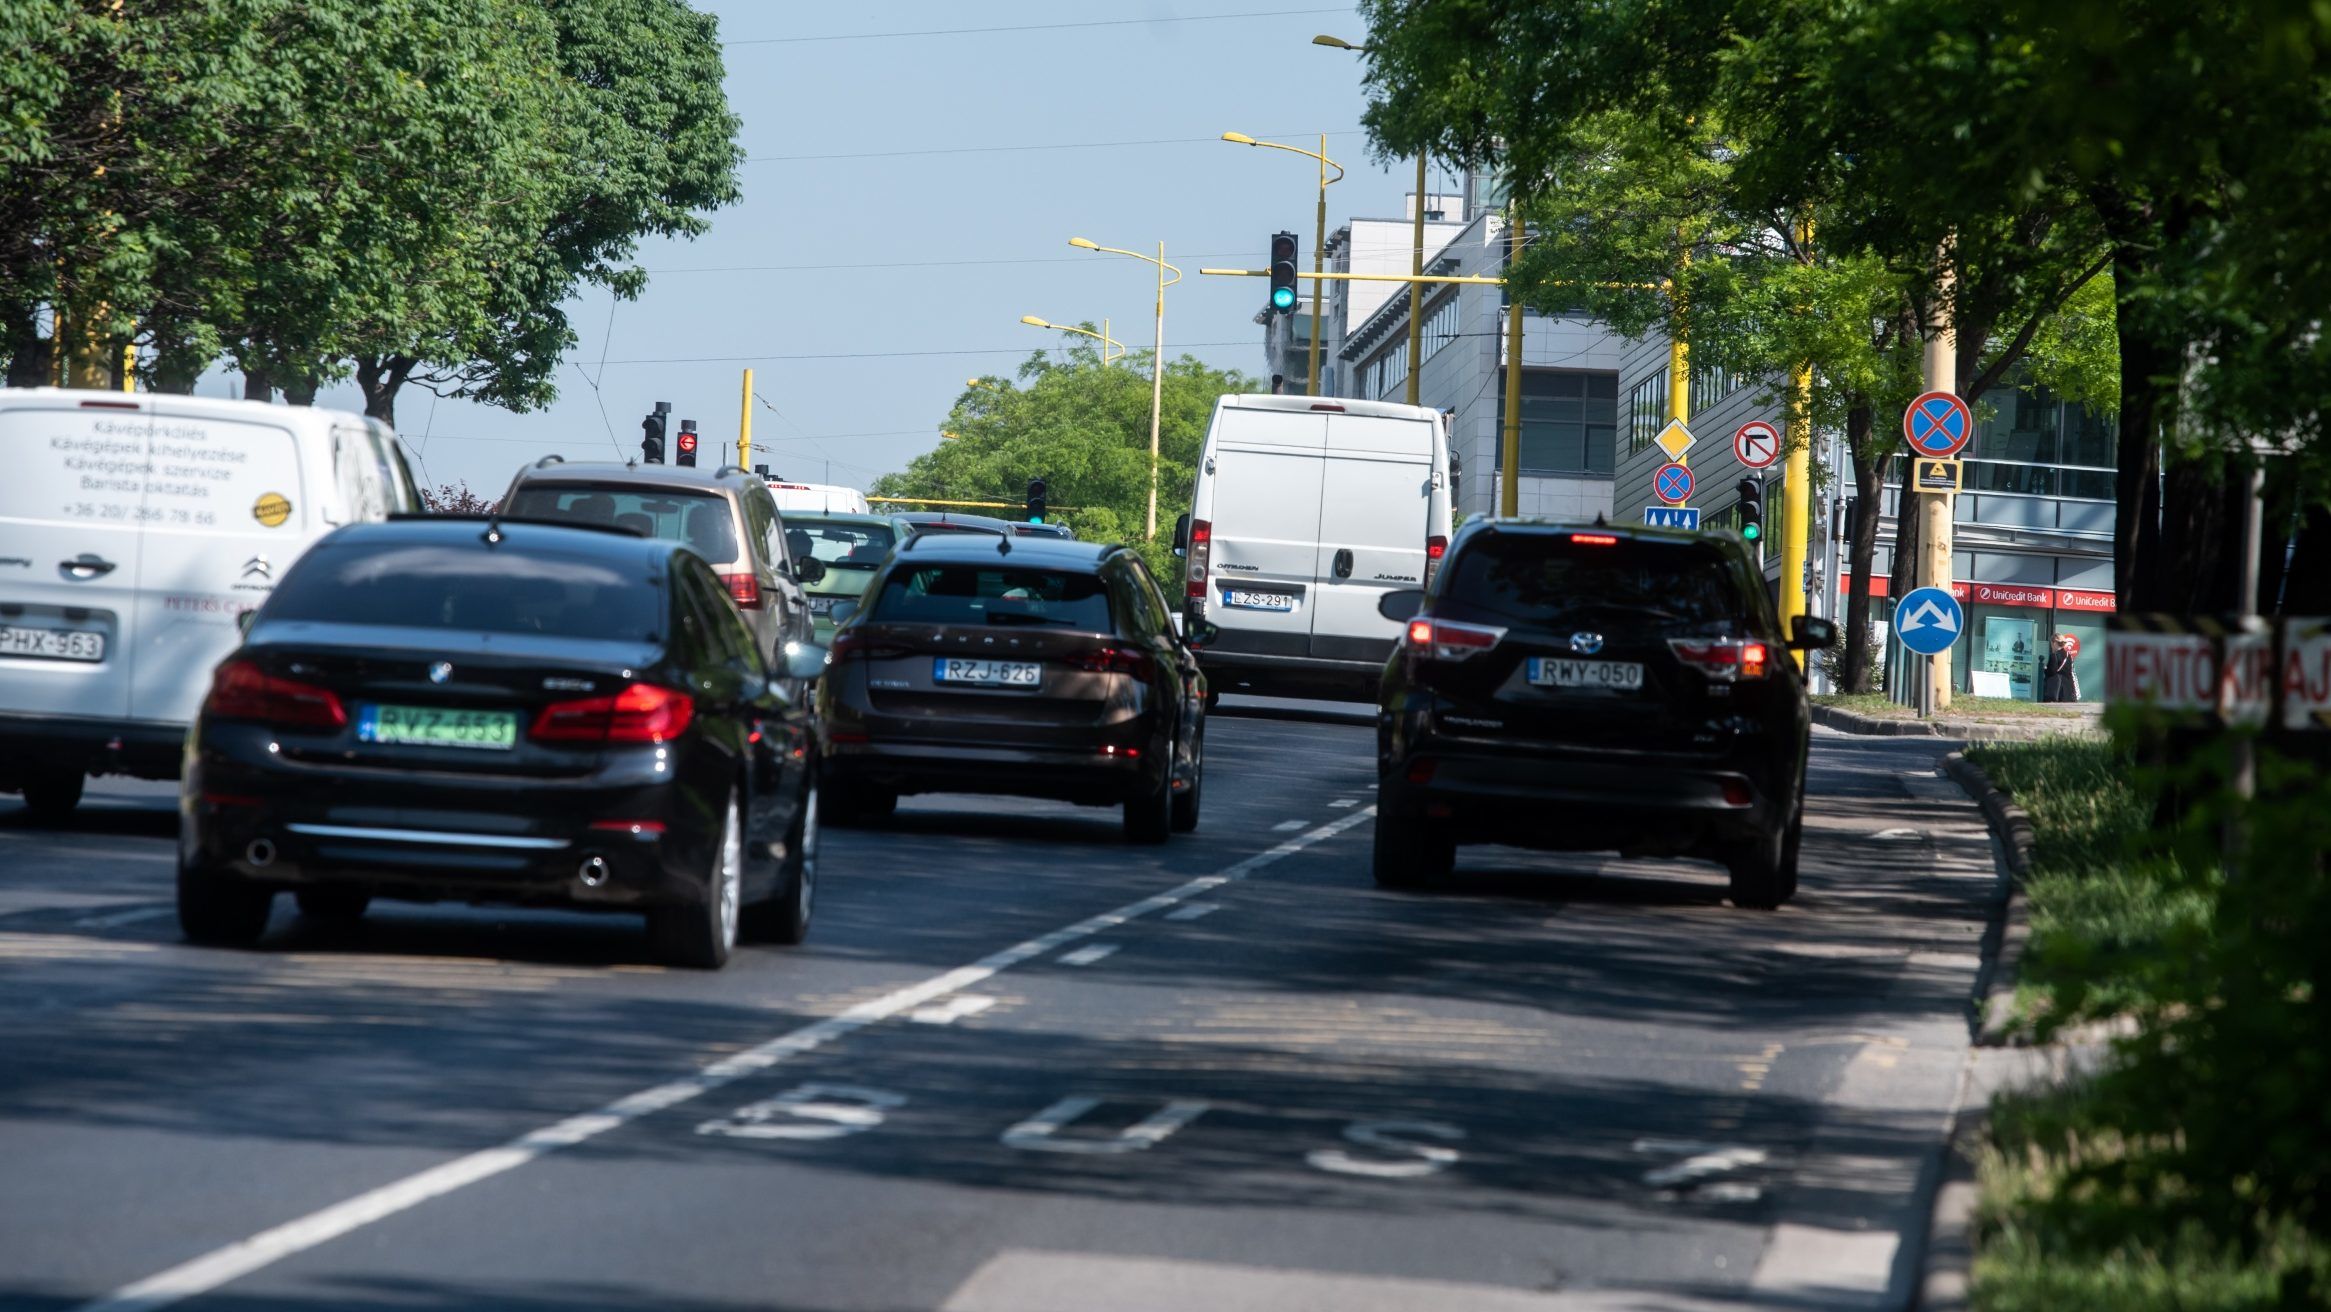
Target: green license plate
437	726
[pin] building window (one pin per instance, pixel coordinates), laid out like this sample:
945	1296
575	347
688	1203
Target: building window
1440	327
1387	373
1570	421
1646	412
1710	384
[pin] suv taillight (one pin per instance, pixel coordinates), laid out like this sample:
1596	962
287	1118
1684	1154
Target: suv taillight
744	589
242	691
850	645
1724	659
1436	547
1112	658
641	713
1447	640
1201	556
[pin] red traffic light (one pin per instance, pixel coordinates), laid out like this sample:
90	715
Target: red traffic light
688	443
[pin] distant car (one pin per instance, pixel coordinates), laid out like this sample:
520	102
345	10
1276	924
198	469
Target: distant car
725	516
1593	688
817	498
950	521
850	547
134	529
1027	530
981	663
493	711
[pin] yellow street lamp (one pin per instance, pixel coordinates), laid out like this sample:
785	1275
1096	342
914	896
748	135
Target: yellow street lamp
1319	236
1415	257
1157	358
1102	336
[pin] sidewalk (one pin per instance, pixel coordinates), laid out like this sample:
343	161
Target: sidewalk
2077	718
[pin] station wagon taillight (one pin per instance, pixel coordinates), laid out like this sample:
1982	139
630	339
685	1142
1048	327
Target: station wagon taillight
243	691
1724	659
744	589
641	713
1448	640
1201	557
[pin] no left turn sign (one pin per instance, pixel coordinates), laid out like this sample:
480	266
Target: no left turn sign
1756	443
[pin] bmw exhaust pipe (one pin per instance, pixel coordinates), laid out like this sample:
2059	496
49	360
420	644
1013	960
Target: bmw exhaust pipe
260	853
593	871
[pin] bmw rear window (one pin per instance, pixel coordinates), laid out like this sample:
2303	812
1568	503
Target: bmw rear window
470	588
1545	578
992	594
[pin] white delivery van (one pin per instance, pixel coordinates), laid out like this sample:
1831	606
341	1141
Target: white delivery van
135	528
1306	510
817	498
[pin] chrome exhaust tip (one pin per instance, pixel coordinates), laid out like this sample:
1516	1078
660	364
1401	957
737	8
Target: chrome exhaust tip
593	871
260	853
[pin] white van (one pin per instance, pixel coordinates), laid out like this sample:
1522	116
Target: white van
134	529
818	498
1306	510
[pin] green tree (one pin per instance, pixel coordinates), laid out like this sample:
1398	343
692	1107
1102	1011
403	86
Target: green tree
1083	427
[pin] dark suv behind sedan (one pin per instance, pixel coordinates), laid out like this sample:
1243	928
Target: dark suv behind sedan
1572	688
982	662
489	711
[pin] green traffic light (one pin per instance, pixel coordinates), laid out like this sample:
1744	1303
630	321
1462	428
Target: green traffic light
1035	519
1283	298
1752	531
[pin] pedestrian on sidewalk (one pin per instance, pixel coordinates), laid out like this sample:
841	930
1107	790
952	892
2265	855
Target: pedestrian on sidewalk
2058	682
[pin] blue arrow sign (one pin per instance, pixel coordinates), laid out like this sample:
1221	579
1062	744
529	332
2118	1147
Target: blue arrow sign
1686	517
1928	620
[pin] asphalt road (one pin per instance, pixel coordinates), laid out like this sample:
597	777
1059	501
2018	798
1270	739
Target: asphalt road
1018	1066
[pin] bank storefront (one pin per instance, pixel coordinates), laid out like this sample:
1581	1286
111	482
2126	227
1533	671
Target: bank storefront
2009	628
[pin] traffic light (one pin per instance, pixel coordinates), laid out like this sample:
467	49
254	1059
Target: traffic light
687	455
1035	500
1752	509
1282	272
651	430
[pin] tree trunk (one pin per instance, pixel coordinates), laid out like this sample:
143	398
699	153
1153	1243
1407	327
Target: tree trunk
380	376
31	358
299	391
1869	481
2306	590
2150	367
256	386
2201	511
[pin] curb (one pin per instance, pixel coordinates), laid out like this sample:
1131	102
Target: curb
2011	826
1845	721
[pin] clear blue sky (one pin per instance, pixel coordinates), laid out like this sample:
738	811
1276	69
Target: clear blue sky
731	294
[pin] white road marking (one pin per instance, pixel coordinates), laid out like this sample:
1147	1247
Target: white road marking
1286	826
1416	1159
220	1266
952	1010
1086	956
1039	1132
119	918
1193	911
1705	1160
1343	802
1899	835
822	1111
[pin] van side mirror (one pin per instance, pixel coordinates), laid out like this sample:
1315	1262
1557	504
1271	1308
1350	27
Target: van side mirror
804	660
809	569
1200	632
244	620
1812	633
844	608
1400	606
1182	534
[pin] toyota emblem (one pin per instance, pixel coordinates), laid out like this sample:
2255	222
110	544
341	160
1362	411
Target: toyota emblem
440	671
1586	644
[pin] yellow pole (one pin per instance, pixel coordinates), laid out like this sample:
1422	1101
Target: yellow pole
1797	487
1509	488
1157	393
1416	289
1942	375
745	425
1318	265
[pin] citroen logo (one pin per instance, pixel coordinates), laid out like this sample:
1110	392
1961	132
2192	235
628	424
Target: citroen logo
440	671
1586	644
257	565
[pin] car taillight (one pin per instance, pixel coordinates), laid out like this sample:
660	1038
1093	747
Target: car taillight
1723	658
242	691
850	645
1112	659
744	589
1201	556
1436	547
641	713
1594	540
1447	640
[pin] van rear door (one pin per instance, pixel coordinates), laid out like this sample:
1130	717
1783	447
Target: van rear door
228	509
69	542
1375	496
1265	552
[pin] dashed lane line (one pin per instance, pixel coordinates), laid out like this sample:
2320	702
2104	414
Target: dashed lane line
234	1261
1087	955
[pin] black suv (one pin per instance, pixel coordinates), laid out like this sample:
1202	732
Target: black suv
1589	689
983	662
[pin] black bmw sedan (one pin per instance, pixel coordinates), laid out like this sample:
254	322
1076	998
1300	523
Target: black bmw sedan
498	711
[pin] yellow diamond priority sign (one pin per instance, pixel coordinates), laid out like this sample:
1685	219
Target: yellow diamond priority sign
1675	439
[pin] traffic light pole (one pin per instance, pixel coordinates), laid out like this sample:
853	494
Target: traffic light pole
1509	448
